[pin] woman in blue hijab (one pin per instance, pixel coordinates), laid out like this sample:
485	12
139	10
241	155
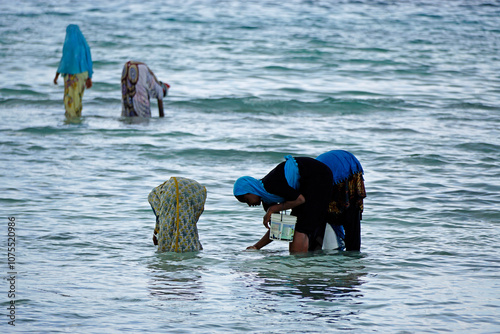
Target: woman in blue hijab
302	184
329	189
76	68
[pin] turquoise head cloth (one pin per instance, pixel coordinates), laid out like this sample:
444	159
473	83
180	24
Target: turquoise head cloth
292	172
76	56
342	164
249	185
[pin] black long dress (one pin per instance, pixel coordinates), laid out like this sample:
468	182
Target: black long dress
316	185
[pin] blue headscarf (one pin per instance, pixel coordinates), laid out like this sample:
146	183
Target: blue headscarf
76	56
342	164
292	174
249	185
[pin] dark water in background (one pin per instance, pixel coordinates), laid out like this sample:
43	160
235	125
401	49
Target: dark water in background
411	88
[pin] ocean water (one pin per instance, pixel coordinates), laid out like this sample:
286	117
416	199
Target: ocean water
412	88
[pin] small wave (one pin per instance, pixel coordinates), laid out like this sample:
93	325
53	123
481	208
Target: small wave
425	159
470	105
479	147
23	91
47	130
255	105
401	131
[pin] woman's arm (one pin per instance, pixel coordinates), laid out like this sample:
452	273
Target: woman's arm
55	79
281	207
264	241
160	108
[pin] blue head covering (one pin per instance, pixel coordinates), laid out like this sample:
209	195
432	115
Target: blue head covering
76	56
292	174
249	185
342	164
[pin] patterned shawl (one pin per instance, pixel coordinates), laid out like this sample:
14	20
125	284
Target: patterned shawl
178	204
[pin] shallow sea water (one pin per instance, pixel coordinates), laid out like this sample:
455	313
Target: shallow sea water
411	88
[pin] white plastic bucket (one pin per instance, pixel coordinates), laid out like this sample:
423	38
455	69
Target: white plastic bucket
282	227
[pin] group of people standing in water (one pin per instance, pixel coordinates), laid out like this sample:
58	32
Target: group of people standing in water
328	189
138	82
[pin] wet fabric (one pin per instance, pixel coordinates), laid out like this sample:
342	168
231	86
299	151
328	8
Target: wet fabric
74	86
76	57
178	204
139	84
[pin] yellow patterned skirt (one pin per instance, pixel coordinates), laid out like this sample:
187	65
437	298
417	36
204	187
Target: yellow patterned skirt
178	204
74	86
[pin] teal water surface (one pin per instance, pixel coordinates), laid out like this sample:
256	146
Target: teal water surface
411	88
